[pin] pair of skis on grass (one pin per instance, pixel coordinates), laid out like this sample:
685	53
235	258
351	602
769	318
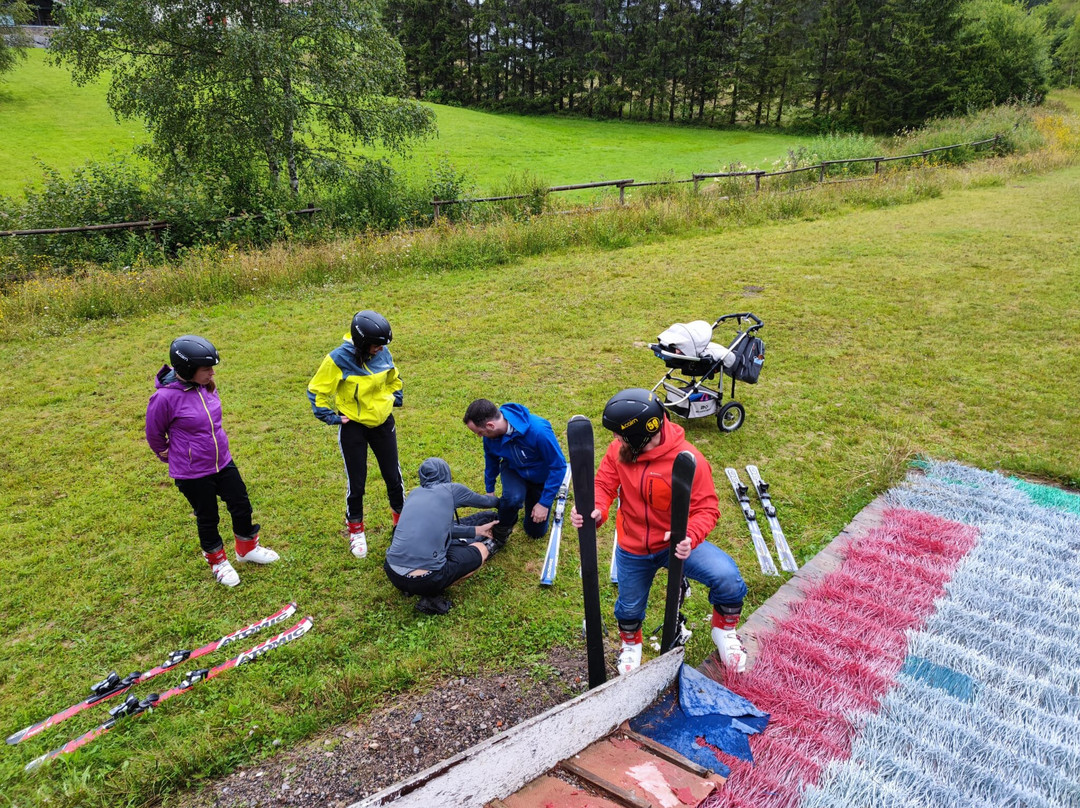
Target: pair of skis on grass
114	685
787	560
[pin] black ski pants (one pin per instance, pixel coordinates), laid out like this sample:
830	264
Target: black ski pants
203	494
354	439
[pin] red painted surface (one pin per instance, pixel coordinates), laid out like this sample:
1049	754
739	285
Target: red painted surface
643	774
551	792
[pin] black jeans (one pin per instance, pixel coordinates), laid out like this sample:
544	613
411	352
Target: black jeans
461	559
203	493
354	439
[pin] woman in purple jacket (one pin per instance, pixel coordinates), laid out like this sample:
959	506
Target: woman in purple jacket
183	427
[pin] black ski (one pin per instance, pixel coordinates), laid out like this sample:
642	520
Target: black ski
760	547
787	560
579	439
682	479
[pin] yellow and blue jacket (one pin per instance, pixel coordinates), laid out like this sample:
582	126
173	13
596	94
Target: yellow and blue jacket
364	392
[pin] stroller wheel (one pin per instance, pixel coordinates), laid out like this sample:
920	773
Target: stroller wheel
730	416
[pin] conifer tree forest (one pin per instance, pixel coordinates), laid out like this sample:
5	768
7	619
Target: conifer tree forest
872	65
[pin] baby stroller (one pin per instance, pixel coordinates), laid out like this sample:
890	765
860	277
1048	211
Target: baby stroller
694	359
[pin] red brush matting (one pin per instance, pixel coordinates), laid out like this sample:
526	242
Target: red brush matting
836	653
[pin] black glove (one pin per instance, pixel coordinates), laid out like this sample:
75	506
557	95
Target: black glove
398	398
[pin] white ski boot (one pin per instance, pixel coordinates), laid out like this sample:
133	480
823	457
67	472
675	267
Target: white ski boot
250	551
727	641
731	648
630	653
357	538
222	569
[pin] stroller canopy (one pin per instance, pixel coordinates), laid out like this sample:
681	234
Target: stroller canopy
694	340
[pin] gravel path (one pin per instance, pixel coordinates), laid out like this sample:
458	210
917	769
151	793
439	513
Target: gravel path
416	731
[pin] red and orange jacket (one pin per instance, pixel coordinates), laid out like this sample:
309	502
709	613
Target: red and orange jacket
645	497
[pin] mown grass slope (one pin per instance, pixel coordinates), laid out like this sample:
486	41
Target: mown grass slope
43	116
948	327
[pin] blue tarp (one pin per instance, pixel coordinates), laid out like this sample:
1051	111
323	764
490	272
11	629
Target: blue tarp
705	719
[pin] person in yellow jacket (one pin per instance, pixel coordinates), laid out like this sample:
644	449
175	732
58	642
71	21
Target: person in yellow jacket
356	389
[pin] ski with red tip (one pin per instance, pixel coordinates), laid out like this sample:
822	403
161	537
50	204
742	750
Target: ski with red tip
134	706
114	685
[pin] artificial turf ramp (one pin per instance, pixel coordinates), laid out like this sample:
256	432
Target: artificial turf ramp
939	665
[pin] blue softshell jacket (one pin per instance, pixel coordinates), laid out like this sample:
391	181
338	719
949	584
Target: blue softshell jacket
530	448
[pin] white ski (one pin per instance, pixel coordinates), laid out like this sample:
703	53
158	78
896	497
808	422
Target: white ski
760	547
614	544
551	560
787	560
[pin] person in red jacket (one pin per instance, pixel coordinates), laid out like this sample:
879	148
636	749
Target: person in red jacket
637	468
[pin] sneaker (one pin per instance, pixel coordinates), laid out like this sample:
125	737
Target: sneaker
492	547
222	569
357	539
250	551
499	535
629	657
731	648
435	604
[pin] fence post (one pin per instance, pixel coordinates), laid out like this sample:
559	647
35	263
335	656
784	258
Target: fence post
821	173
622	194
757	182
435	205
877	165
696	180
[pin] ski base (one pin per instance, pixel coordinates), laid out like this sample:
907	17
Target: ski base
787	559
551	558
760	547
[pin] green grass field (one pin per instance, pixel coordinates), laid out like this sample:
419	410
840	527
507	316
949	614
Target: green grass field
44	116
943	327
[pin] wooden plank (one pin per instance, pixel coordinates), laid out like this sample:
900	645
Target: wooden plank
551	792
634	769
502	764
625	797
670	754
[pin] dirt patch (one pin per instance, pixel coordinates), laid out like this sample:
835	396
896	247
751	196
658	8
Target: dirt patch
347	763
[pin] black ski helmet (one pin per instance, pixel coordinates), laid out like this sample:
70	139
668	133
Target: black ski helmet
370	328
635	415
189	353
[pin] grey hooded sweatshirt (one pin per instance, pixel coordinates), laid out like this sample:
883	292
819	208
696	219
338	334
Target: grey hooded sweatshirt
427	523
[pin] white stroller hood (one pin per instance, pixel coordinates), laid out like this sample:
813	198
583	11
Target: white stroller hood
694	339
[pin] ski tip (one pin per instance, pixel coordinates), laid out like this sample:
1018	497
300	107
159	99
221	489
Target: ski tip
15	737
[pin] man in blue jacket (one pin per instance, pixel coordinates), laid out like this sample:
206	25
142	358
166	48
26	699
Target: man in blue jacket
521	449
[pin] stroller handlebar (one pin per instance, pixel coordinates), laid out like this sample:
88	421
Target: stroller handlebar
739	318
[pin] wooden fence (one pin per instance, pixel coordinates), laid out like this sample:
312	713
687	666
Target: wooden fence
152	226
821	168
622	185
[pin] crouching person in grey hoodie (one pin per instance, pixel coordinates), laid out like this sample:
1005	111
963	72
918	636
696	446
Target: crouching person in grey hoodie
432	548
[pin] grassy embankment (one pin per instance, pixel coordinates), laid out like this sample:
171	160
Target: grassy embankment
947	326
44	116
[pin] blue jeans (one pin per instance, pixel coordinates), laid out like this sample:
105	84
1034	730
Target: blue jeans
707	564
518	493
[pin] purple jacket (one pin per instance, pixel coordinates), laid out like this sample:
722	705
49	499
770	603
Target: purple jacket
183	427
